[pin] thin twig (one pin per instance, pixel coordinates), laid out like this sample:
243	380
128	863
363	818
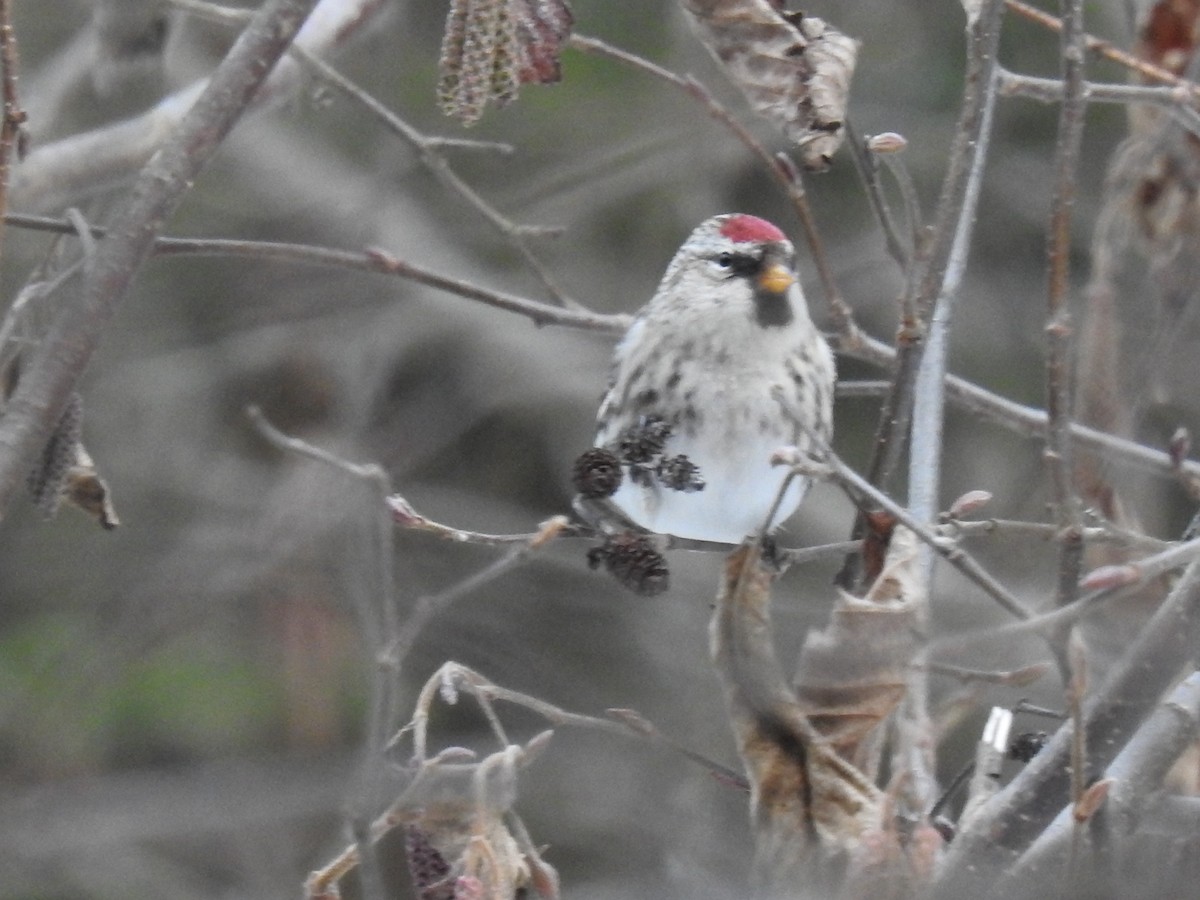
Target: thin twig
928	280
427	151
366	471
913	752
1140	571
627	723
928	410
1026	420
1014	818
1102	585
945	548
1051	90
1106	49
1048	531
781	170
1060	378
1023	419
58	172
373	588
867	165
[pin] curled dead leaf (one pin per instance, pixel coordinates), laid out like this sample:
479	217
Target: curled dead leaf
793	68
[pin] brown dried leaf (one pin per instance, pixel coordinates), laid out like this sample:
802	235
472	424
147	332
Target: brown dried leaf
458	840
806	800
794	69
875	543
846	689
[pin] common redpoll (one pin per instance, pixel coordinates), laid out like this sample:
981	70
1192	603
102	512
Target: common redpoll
721	368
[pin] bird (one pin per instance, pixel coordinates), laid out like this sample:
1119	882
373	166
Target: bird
720	369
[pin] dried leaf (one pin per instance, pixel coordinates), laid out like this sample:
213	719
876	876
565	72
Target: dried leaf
491	47
794	69
875	544
458	839
845	690
806	801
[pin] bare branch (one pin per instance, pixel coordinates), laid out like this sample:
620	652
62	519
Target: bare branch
1007	825
1026	420
57	173
1135	776
1106	49
427	150
1060	376
942	546
931	279
67	348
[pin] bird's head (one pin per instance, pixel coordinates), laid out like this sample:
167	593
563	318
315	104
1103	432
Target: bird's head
737	256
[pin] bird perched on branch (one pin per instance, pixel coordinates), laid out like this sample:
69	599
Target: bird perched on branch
720	369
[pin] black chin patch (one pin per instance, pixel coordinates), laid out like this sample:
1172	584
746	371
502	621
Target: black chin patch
772	309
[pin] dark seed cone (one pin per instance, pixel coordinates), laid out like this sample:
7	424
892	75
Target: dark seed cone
642	442
679	474
597	473
49	474
634	562
427	867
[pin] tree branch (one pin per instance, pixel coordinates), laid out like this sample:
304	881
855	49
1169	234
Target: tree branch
1010	822
65	351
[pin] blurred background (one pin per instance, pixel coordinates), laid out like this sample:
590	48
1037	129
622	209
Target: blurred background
182	699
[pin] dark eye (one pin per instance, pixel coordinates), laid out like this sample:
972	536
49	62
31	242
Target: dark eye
725	260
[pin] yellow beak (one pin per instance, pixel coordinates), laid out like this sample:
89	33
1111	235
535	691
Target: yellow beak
775	279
